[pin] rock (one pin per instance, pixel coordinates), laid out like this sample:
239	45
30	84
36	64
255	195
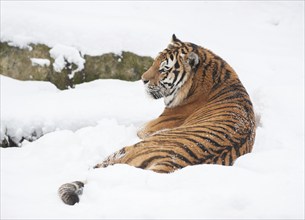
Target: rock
18	63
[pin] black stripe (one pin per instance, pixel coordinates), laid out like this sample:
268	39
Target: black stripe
230	159
160	171
237	149
146	162
229	123
191	132
248	102
170	164
183	51
220	127
169	70
218	117
208	157
228	137
232	88
171	101
215	73
234	99
191	91
176	73
162	85
193	46
204	57
206	68
223	158
213	142
182	77
166	83
230	114
235	96
181	146
169	119
227	108
209	133
227	76
221	122
172	92
170	152
216	85
215	159
201	146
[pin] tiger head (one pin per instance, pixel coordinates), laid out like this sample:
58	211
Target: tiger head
172	71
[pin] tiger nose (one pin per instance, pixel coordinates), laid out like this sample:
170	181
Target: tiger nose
145	81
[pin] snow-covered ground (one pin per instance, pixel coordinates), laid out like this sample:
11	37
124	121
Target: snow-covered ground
263	41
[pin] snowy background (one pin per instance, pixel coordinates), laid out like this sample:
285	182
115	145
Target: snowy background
262	41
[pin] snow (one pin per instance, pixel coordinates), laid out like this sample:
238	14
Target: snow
262	41
46	109
40	62
64	55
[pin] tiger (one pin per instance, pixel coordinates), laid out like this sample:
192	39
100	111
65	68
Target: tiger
208	116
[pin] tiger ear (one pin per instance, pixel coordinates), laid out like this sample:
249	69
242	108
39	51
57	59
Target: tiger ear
193	59
175	39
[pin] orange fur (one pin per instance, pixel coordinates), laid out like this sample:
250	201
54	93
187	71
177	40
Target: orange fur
201	125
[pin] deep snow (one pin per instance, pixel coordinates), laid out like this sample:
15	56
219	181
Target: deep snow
264	43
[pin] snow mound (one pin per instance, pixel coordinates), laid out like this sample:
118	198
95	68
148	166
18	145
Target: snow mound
46	109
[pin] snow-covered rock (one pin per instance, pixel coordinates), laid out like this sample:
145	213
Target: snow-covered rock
64	57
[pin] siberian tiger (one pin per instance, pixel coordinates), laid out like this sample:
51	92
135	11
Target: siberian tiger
208	116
